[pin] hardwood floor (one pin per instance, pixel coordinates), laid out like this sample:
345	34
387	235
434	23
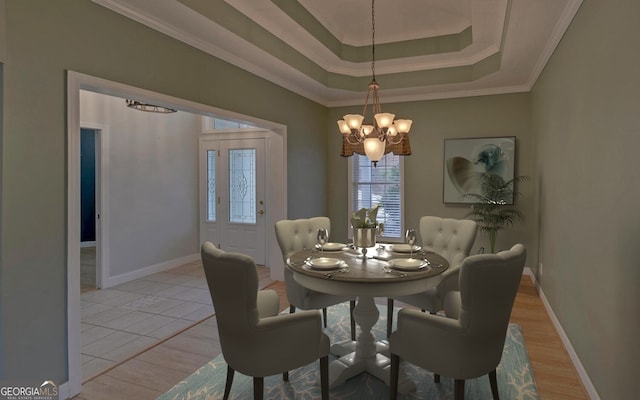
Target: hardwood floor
153	372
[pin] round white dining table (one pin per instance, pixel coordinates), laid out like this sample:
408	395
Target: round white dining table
365	278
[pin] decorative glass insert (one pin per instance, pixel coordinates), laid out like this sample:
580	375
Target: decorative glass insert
211	185
379	185
242	186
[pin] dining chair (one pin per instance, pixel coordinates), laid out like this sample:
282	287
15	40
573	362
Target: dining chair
469	341
300	234
255	340
451	239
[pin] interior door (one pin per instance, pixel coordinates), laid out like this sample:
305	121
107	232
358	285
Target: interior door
233	195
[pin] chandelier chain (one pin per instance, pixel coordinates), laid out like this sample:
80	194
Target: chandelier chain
373	40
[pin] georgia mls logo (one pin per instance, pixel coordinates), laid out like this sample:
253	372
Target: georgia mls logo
48	390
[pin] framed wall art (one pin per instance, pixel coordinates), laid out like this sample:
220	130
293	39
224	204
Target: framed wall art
466	161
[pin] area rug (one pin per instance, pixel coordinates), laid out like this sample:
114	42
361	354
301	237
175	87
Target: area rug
515	376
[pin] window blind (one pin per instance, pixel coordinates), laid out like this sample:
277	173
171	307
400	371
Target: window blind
379	185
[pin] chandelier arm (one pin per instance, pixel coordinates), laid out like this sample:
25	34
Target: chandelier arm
349	139
391	141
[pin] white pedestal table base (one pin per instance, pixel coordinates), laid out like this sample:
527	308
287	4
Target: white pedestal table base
365	355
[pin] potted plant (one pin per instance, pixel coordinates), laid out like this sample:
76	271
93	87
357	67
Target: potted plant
491	211
366	227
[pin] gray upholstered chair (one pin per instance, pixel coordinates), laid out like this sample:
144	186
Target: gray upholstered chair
255	340
299	234
469	341
450	238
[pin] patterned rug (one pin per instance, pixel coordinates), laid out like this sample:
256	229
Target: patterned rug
515	377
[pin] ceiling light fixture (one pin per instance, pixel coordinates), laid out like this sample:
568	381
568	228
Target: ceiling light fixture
148	107
385	134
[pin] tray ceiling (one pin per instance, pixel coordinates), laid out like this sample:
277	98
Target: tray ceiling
425	49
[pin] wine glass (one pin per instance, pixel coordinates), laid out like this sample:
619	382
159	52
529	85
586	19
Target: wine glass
410	236
379	233
323	236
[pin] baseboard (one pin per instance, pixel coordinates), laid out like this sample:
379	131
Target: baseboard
575	360
63	391
152	269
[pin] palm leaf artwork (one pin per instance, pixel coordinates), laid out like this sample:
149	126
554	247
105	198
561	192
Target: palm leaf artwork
491	210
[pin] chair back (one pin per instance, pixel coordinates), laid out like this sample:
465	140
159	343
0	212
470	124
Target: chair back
299	234
295	235
488	286
450	238
233	284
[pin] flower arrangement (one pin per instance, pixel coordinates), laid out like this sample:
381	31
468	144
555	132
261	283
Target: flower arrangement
366	218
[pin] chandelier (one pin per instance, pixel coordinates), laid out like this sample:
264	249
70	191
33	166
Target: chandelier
385	134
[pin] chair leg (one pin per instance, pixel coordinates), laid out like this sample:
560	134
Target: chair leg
436	378
393	376
285	376
389	316
352	306
227	385
258	388
493	379
458	390
324	377
292	309
324	316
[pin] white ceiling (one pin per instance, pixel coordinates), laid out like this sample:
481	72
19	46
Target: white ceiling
321	49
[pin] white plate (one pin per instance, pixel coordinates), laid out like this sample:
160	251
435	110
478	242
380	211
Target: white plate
324	263
332	246
407	264
403	248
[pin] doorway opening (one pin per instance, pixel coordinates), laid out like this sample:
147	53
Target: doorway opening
275	196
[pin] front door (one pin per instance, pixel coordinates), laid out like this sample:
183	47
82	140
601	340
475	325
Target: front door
233	209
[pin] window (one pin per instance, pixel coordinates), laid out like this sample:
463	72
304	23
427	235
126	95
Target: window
211	185
379	185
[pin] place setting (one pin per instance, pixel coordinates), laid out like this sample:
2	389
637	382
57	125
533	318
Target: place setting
327	265
401	265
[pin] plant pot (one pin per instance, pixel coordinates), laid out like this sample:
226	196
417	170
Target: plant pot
364	237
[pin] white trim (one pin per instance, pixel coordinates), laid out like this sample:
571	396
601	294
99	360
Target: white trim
63	391
582	373
249	57
151	269
87	244
74	337
77	81
559	30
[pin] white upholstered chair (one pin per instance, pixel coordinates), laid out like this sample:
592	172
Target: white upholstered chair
255	340
469	341
450	238
299	234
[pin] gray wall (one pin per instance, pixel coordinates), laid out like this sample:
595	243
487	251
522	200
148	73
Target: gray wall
586	114
44	39
505	115
152	180
577	135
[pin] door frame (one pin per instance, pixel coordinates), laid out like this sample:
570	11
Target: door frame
245	134
76	81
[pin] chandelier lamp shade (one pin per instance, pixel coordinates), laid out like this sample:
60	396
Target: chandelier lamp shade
384	134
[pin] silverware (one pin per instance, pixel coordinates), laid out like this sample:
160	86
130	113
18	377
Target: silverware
330	274
394	272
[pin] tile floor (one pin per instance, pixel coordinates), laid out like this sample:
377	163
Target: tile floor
122	321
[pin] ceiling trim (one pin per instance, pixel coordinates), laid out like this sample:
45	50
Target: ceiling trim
343	83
